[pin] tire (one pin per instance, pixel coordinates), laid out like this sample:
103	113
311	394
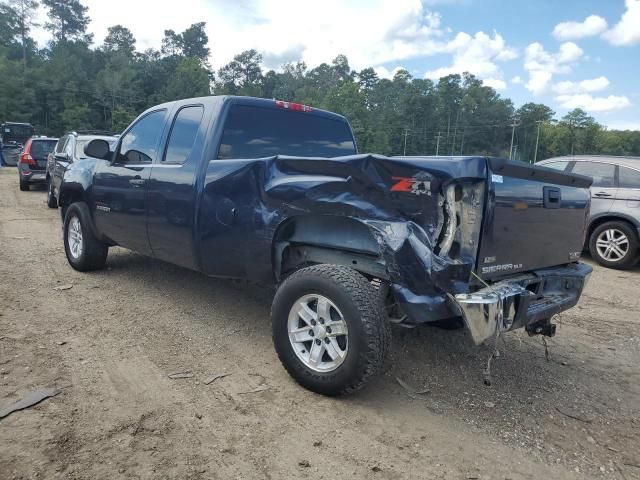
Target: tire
353	300
51	199
92	254
614	233
24	186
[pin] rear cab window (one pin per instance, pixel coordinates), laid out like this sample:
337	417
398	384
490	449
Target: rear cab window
252	131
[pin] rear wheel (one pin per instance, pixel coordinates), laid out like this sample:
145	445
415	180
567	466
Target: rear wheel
614	245
51	199
84	251
329	329
24	186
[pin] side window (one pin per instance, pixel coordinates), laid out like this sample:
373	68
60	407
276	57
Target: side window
60	144
629	178
603	174
183	134
139	144
557	165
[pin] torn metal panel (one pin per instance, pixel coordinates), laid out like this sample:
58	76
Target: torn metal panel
30	400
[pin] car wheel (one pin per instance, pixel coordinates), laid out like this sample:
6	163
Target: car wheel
24	186
84	251
614	245
329	329
51	199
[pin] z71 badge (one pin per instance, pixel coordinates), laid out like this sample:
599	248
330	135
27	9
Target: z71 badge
414	185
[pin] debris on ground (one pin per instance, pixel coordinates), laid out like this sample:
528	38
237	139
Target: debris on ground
180	374
64	287
30	400
574	415
215	377
410	389
261	388
304	463
61	342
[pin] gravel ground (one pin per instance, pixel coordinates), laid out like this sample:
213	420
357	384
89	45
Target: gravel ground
110	341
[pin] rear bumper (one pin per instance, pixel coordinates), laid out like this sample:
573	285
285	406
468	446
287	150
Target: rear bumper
32	176
519	301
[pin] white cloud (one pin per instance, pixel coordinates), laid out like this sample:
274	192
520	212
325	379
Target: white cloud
477	55
385	30
592	25
623	125
517	80
627	31
542	65
593	104
584	86
384	72
495	83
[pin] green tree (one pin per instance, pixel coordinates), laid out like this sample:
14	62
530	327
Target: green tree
26	12
68	20
190	80
119	39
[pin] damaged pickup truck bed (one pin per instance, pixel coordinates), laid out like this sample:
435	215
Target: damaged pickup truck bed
275	192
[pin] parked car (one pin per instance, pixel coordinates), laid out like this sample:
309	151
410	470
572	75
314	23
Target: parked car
69	149
33	161
614	224
276	192
13	136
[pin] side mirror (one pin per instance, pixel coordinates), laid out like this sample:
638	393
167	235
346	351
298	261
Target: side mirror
63	157
97	148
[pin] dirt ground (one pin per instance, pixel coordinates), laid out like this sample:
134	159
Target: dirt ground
111	341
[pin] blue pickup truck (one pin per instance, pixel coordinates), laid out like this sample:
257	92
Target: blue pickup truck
276	193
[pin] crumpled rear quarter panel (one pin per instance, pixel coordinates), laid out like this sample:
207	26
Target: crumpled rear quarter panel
244	203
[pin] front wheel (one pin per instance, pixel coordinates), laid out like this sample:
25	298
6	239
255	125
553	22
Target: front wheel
84	251
329	329
614	245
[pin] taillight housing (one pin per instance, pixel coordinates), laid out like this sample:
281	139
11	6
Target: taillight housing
298	107
26	158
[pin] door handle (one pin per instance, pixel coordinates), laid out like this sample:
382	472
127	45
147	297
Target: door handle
602	194
136	182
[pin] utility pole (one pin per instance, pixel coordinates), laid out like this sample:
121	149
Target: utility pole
515	122
406	134
535	155
438	137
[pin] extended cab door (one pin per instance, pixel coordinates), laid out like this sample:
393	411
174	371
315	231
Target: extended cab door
119	185
171	192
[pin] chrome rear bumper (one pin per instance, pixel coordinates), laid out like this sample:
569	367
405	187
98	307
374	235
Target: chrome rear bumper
517	302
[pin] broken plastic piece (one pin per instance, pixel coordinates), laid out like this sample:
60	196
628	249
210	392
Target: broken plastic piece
30	400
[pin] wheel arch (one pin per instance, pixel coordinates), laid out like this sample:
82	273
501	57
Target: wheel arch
308	239
612	217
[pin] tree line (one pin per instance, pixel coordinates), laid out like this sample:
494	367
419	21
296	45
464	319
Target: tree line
71	84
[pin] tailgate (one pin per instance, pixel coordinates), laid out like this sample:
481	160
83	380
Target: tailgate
535	217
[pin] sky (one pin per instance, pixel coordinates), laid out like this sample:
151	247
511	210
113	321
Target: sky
564	53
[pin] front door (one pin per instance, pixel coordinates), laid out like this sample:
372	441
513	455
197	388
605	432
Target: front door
120	185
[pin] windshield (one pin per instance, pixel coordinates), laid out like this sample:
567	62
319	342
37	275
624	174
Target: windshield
256	132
